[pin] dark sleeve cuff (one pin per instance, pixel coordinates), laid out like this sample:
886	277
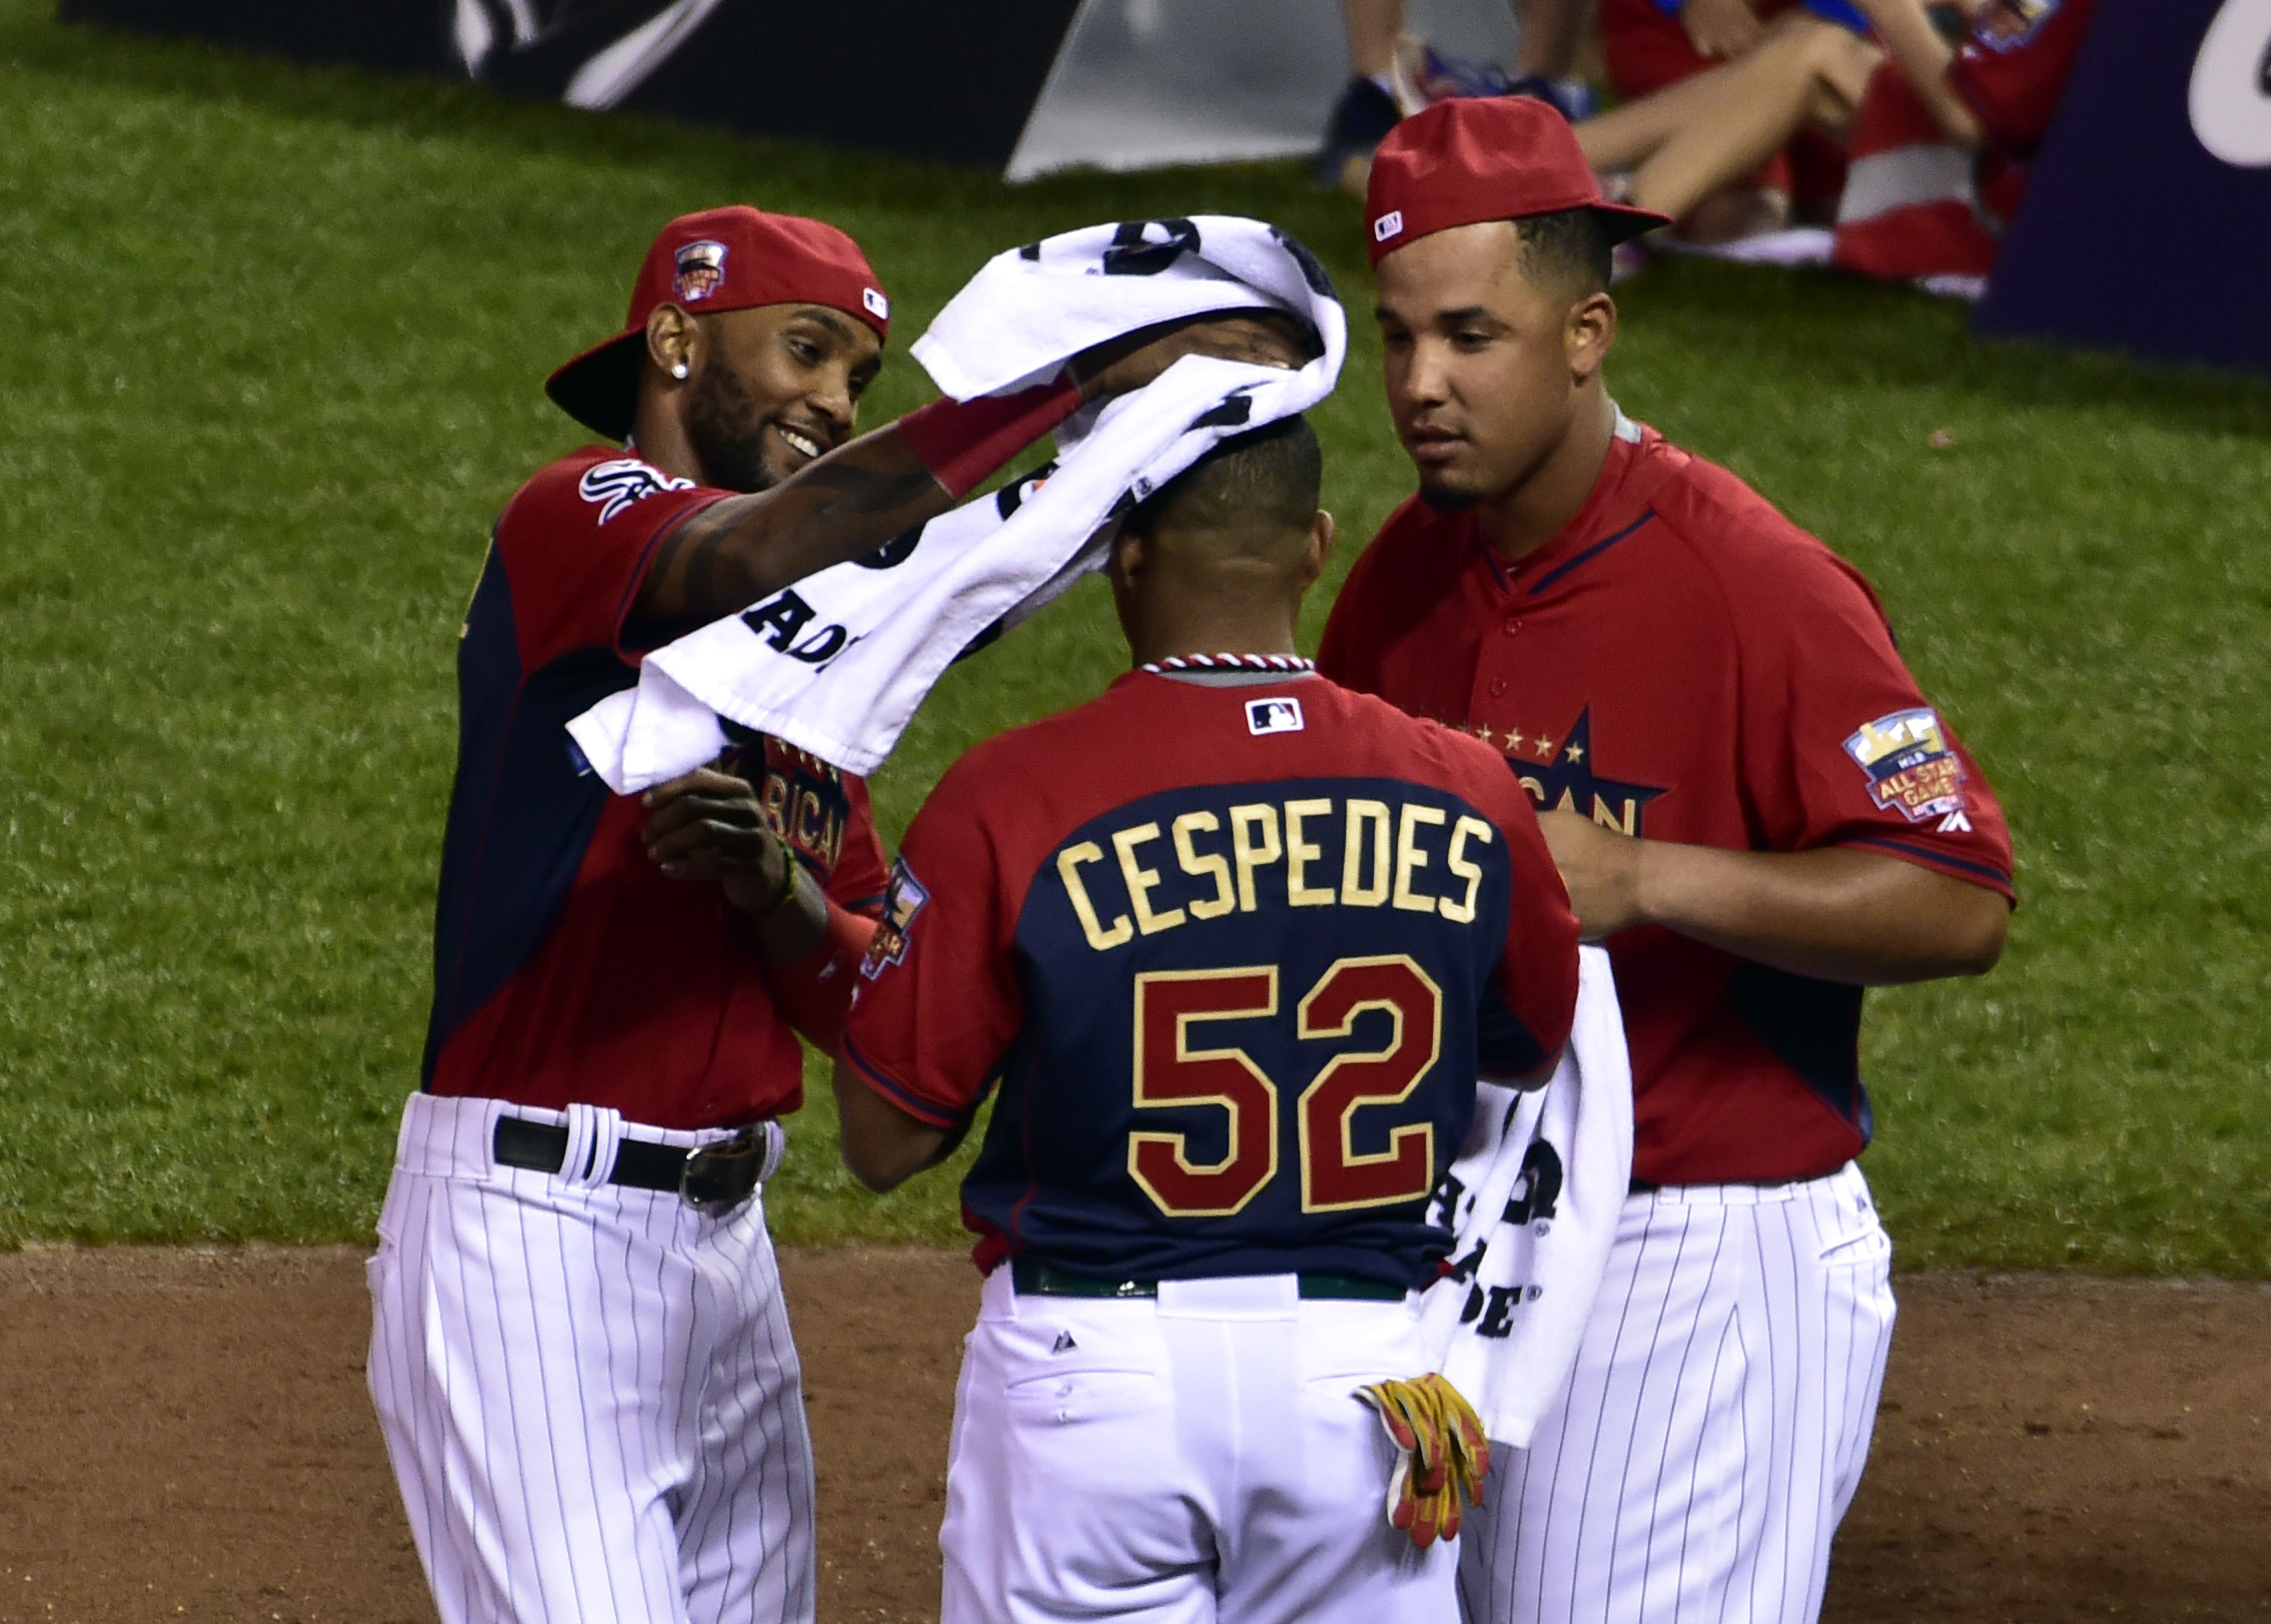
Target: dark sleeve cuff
901	1098
1926	856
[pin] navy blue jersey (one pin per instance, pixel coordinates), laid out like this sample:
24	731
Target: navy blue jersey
1235	954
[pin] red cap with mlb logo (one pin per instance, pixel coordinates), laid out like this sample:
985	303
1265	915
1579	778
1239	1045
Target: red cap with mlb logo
1476	158
718	260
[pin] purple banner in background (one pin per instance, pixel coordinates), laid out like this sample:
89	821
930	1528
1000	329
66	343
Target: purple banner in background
2147	225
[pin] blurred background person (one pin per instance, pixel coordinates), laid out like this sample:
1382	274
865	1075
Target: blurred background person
1946	132
1393	74
1649	46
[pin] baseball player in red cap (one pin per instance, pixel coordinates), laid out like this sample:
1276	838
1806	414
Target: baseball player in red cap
580	1354
1751	803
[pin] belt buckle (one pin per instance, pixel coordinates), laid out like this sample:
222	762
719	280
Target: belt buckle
719	1178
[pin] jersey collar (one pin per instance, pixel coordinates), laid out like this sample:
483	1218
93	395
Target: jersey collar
1598	524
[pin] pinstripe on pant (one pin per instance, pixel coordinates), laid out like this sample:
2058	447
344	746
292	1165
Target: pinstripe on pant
588	1393
1714	1429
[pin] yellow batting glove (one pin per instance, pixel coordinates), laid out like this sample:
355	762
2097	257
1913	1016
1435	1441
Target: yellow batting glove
1442	1457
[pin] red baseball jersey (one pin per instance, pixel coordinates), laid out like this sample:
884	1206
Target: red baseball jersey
566	968
1235	954
1683	662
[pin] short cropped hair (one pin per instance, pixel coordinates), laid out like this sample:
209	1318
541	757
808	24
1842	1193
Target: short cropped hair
1571	249
1267	479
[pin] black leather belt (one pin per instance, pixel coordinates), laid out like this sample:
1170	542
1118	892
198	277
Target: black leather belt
1034	1278
714	1178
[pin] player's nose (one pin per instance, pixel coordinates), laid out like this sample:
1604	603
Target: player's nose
832	400
1425	379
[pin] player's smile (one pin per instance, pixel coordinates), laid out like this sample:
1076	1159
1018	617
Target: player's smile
808	443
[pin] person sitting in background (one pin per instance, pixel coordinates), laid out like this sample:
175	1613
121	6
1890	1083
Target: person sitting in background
1392	74
1684	147
1650	46
1945	133
1676	149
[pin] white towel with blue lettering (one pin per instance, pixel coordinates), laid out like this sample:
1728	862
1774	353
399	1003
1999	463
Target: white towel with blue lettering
837	664
1534	1200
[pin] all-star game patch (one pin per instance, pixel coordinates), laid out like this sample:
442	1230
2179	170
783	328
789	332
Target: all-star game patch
1909	764
701	271
905	900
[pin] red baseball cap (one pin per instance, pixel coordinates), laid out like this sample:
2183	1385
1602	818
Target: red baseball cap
720	259
1475	157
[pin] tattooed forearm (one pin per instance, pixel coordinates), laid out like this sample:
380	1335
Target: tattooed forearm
738	550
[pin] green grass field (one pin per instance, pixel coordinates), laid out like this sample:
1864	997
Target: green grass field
271	340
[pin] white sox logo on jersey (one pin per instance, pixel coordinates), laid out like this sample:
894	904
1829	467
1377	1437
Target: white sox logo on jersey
615	485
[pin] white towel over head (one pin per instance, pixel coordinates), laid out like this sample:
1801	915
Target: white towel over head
837	663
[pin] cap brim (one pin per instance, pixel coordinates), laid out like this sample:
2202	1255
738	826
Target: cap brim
1625	222
600	387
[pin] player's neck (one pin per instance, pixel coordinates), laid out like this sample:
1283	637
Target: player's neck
1211	629
1534	510
661	437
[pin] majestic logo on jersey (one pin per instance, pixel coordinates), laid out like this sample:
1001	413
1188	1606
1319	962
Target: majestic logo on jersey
901	905
1910	766
615	485
701	271
1273	716
1560	775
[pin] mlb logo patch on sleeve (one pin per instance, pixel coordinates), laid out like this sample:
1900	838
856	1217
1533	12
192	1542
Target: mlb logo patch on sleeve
1909	765
901	905
1273	716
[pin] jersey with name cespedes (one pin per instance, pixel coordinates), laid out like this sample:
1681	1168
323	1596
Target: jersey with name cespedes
1235	954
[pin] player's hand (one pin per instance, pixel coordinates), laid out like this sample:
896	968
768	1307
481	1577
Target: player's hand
1600	867
1263	337
708	825
1721	29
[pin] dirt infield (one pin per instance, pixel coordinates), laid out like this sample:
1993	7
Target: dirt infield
183	1435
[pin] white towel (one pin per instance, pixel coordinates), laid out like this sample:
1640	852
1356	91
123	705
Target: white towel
837	663
1534	1197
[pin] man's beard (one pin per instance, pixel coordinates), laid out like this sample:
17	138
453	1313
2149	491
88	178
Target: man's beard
1445	500
727	432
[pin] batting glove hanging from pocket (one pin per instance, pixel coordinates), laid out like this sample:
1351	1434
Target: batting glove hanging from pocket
1442	1457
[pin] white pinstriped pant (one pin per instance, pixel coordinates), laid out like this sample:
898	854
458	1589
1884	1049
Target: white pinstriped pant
1714	1429
588	1393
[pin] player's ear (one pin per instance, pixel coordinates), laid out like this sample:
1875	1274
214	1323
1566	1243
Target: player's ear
1588	334
1128	554
673	342
1320	549
1121	566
